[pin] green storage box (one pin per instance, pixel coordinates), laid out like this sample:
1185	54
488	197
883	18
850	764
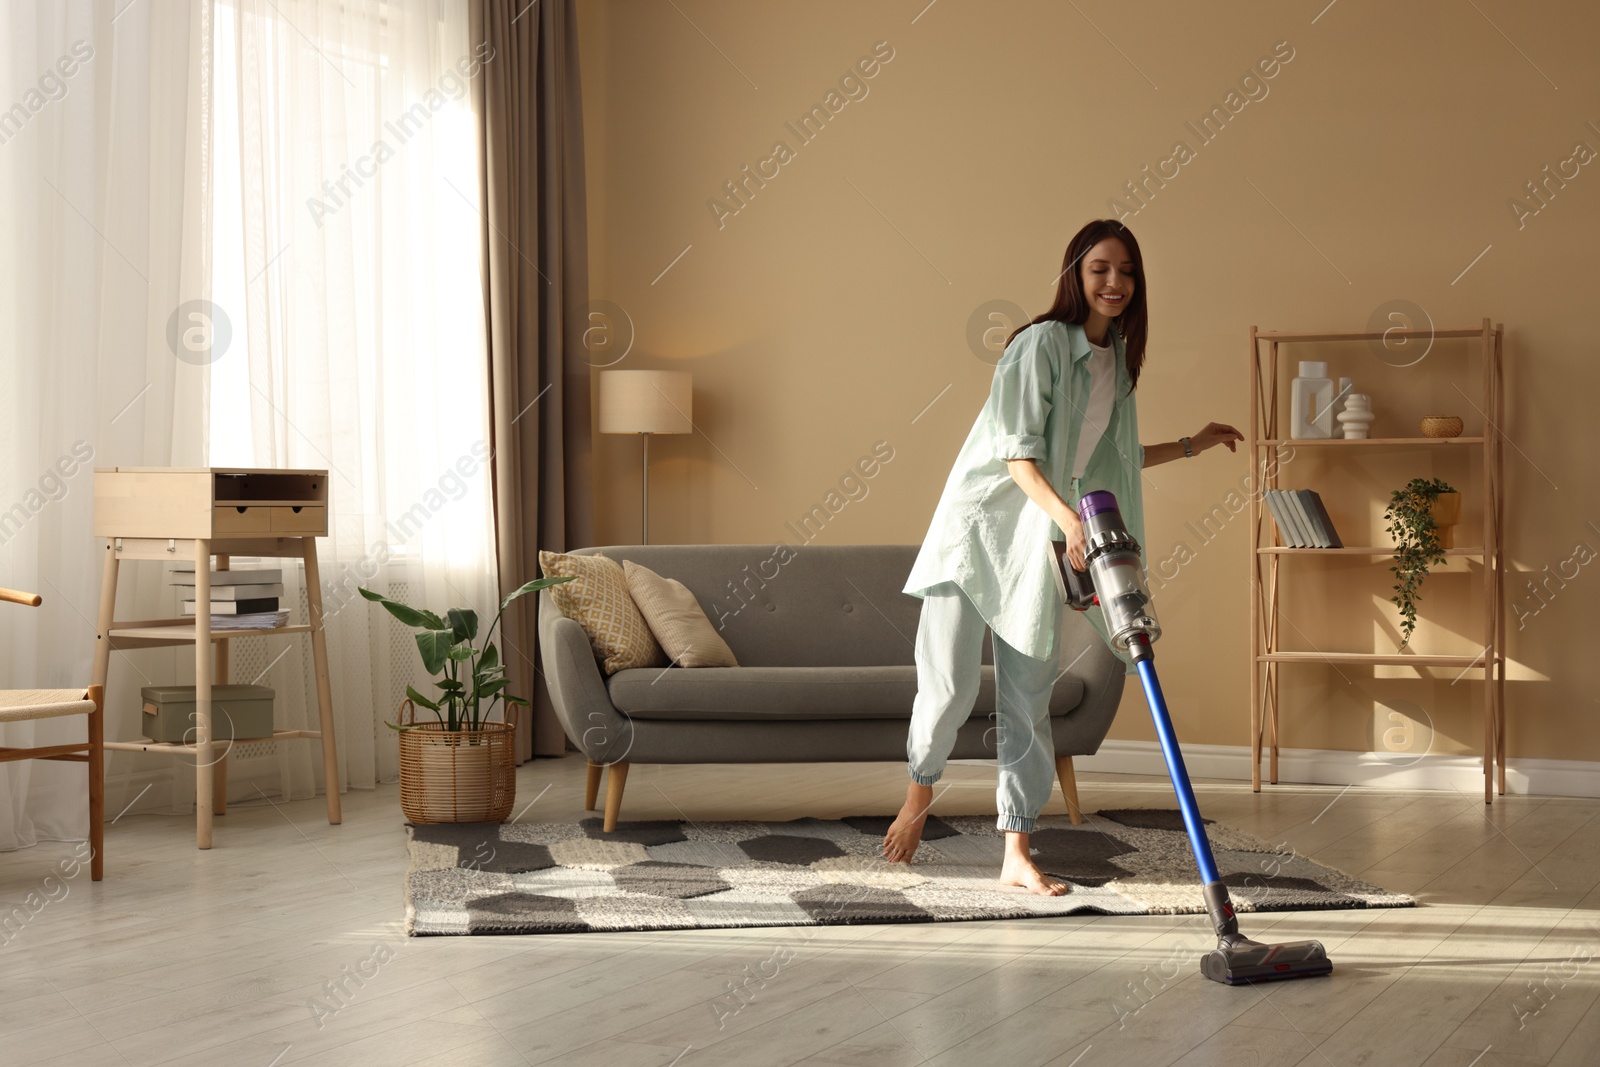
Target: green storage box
240	712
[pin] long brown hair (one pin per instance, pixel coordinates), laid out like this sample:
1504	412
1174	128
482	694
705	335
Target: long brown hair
1070	305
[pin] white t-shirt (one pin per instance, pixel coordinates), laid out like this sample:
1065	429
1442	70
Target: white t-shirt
1097	413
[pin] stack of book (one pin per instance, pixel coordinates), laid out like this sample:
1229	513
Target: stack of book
1302	520
240	600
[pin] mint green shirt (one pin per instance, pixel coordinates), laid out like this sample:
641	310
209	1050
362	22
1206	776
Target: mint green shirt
986	535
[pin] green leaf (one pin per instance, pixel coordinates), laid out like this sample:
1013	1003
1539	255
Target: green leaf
490	660
536	585
450	685
420	699
435	647
462	653
463	623
490	688
408	615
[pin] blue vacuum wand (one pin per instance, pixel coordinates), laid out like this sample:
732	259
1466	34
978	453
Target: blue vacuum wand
1115	581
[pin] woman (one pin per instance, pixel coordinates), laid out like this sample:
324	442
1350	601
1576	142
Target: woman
1060	421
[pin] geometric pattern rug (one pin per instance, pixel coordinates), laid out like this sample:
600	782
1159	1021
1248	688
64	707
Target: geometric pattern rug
531	878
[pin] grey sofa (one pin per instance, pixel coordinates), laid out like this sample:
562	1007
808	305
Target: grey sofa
825	642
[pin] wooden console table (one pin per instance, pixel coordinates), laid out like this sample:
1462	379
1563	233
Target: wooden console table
191	514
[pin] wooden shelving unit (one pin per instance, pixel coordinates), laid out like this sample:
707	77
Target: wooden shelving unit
1267	553
191	514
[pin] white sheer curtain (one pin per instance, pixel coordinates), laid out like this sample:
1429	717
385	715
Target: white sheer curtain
347	268
348	255
103	234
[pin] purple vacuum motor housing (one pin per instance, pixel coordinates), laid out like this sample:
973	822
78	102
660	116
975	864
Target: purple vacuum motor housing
1091	504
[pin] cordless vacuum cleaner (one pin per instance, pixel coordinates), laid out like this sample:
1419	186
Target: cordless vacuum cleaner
1115	581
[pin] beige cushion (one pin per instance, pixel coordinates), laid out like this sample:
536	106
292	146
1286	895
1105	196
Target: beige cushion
676	619
599	602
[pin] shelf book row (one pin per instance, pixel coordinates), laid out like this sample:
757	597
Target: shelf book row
1302	520
240	599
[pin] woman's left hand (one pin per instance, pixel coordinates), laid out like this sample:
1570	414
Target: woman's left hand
1216	433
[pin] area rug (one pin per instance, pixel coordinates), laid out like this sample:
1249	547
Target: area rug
529	878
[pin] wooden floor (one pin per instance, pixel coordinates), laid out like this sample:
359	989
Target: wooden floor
283	945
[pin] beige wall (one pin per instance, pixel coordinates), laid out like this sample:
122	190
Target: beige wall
835	305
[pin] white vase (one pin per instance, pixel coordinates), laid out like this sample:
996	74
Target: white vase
1357	416
1311	402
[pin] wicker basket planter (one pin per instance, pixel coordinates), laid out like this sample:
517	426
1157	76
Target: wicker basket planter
456	775
462	767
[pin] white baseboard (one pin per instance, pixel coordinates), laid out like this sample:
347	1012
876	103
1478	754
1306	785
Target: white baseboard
1542	777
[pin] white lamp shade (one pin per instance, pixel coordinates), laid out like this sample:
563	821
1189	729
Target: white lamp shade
646	401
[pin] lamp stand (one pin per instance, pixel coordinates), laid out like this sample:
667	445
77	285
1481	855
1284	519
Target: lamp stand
644	510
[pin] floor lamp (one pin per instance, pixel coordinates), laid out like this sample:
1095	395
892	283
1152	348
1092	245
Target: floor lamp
646	402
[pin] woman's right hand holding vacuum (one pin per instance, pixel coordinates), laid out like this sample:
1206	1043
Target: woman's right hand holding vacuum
1026	473
1077	546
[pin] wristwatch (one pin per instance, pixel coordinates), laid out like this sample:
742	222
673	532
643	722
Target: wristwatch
1188	449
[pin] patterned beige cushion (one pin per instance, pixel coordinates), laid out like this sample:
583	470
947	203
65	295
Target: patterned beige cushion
599	602
676	619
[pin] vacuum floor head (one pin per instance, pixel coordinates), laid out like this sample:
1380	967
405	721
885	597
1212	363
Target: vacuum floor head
1250	961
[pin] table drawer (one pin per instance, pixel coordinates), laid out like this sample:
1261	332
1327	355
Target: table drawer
302	520
236	520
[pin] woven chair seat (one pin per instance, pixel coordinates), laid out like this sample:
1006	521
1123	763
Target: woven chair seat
17	705
22	705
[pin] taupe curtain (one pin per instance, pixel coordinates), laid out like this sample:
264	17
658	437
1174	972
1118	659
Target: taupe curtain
537	267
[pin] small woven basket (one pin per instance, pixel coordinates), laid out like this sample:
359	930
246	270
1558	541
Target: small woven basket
1441	425
456	775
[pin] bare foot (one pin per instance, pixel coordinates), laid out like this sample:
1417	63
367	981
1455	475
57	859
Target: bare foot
905	833
1025	873
1020	870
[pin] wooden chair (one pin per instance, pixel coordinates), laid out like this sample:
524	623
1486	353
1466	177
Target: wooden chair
19	705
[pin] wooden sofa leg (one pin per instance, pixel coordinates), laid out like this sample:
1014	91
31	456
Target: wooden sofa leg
591	789
1069	788
614	783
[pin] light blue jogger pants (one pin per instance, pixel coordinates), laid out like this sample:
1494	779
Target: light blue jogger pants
949	655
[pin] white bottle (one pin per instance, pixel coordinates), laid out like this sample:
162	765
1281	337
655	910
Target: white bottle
1311	402
1346	387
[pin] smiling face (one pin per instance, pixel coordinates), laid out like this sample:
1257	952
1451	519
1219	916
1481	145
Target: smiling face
1108	277
1102	278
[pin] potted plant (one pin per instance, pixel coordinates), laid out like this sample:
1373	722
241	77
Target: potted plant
1419	517
462	767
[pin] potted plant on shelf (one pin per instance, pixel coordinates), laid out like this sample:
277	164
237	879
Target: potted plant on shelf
1420	517
461	768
